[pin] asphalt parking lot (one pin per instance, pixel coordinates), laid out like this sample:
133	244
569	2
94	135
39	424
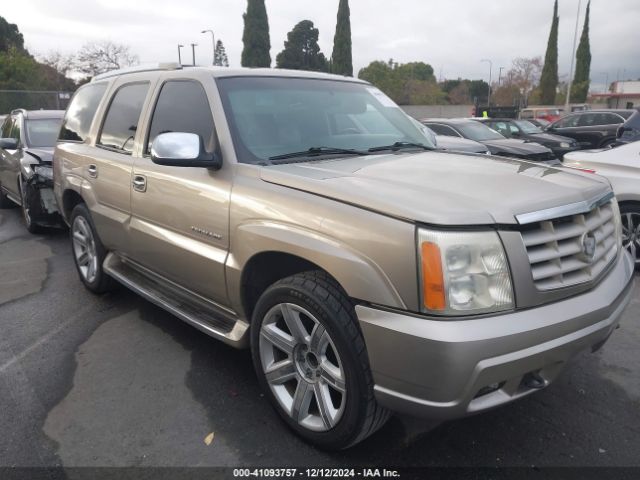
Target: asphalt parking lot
114	381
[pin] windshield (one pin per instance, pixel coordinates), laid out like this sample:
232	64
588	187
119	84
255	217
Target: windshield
270	117
42	132
527	127
478	132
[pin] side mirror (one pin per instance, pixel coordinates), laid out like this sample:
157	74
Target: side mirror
9	143
177	149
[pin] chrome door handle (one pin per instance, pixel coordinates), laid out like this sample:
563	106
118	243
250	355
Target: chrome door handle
92	171
140	183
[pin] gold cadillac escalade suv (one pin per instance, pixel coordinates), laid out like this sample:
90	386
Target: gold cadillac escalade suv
306	216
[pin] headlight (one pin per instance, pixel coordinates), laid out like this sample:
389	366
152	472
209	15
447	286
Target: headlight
565	145
618	221
44	172
463	273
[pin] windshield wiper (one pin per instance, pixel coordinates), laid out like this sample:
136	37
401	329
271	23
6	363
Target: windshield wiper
318	151
400	146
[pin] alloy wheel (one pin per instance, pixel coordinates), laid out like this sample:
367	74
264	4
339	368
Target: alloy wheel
631	234
84	249
302	367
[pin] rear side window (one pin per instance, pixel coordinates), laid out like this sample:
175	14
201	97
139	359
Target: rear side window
567	122
183	106
442	130
6	127
82	109
121	121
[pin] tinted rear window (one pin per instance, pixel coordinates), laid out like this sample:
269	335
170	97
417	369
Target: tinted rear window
121	122
82	109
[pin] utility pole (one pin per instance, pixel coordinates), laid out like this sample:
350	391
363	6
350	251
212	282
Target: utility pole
193	52
573	58
500	75
179	54
490	72
213	43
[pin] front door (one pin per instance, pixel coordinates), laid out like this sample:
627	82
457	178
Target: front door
180	219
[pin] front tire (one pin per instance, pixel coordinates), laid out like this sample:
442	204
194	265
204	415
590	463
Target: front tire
311	361
630	216
5	203
88	251
27	208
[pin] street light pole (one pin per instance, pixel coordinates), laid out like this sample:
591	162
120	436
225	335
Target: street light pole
213	43
573	58
193	52
490	73
179	55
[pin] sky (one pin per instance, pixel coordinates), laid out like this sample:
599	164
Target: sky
451	35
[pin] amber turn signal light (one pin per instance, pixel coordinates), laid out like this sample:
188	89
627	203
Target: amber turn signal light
432	277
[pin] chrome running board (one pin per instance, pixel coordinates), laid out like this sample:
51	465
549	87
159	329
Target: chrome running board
198	312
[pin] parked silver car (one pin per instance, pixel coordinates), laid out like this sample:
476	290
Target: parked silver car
621	166
27	139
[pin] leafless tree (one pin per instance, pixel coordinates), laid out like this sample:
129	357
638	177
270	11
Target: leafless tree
99	57
60	62
525	74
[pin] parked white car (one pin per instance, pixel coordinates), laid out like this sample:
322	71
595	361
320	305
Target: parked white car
621	166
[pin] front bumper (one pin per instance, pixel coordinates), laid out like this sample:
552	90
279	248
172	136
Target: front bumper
452	368
39	196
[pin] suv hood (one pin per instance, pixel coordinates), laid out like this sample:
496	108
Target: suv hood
440	188
516	147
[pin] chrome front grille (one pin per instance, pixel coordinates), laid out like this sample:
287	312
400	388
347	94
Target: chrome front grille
559	249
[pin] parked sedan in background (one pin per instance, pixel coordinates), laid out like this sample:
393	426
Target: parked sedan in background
621	166
455	144
591	128
629	131
26	176
525	130
496	143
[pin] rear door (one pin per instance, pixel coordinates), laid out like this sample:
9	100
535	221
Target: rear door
108	172
180	215
10	161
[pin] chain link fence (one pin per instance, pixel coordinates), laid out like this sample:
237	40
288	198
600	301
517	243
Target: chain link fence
33	100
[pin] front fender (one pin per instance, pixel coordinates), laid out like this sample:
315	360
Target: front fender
361	278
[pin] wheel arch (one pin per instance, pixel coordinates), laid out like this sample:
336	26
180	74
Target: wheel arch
284	250
70	198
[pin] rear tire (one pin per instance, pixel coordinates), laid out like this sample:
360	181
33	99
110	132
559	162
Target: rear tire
312	363
88	251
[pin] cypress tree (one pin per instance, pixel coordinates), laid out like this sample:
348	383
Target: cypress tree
256	36
549	77
341	58
581	80
301	50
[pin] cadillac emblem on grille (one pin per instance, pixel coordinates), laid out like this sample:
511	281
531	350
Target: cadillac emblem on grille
589	246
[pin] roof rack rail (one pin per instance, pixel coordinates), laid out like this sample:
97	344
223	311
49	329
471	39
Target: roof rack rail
138	69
